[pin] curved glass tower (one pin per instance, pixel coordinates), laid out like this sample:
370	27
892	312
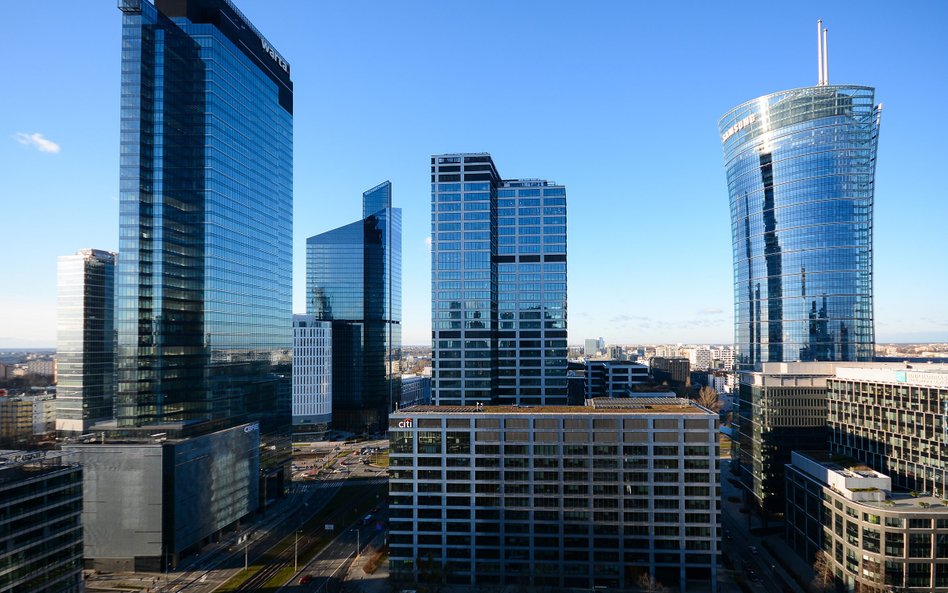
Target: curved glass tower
800	170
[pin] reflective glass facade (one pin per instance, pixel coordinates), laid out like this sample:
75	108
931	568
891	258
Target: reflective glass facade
353	279
531	292
40	523
204	283
498	284
800	169
85	344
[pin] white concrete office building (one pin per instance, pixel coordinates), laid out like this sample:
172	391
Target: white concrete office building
312	374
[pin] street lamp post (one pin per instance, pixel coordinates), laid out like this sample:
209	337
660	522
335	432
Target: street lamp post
245	539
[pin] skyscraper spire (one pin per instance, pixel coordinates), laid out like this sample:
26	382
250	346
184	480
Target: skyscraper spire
822	61
819	52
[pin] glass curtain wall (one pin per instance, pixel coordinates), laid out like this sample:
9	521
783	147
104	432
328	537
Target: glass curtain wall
800	169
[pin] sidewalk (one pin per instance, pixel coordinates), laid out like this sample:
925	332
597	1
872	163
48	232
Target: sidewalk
357	581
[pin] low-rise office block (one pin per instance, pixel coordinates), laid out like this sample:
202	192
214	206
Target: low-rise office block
40	530
555	496
874	539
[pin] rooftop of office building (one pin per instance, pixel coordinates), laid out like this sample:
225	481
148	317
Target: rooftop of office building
860	483
17	464
921	375
604	405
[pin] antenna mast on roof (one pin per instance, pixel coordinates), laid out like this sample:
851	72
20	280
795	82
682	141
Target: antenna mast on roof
822	62
819	52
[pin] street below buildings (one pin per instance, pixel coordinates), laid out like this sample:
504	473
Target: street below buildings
752	561
262	546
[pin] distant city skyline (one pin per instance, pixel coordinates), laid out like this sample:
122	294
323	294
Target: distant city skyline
618	102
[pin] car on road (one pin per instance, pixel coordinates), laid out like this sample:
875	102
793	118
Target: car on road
306	579
752	549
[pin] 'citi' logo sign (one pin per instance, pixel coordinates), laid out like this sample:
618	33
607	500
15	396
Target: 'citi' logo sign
406	423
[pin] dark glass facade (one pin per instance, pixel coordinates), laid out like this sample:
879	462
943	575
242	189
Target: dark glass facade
204	283
800	169
40	528
498	285
85	343
353	279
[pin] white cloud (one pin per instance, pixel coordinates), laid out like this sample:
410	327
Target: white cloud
711	311
37	141
428	242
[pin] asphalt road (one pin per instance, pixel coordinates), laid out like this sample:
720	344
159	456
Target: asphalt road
212	568
762	572
329	567
220	561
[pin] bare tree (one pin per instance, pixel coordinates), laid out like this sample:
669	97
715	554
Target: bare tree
708	397
823	579
648	584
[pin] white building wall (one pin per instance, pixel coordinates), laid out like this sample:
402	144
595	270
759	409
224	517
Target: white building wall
312	370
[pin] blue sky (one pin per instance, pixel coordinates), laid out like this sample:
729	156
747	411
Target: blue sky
619	101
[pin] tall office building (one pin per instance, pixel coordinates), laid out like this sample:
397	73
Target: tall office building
201	436
85	348
354	280
312	376
498	285
205	277
800	170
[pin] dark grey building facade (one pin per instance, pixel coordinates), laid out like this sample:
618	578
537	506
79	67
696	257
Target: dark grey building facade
353	280
781	409
613	378
675	371
147	503
40	528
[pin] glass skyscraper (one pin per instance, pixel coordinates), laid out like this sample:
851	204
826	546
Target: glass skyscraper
800	170
85	348
353	279
204	281
498	285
